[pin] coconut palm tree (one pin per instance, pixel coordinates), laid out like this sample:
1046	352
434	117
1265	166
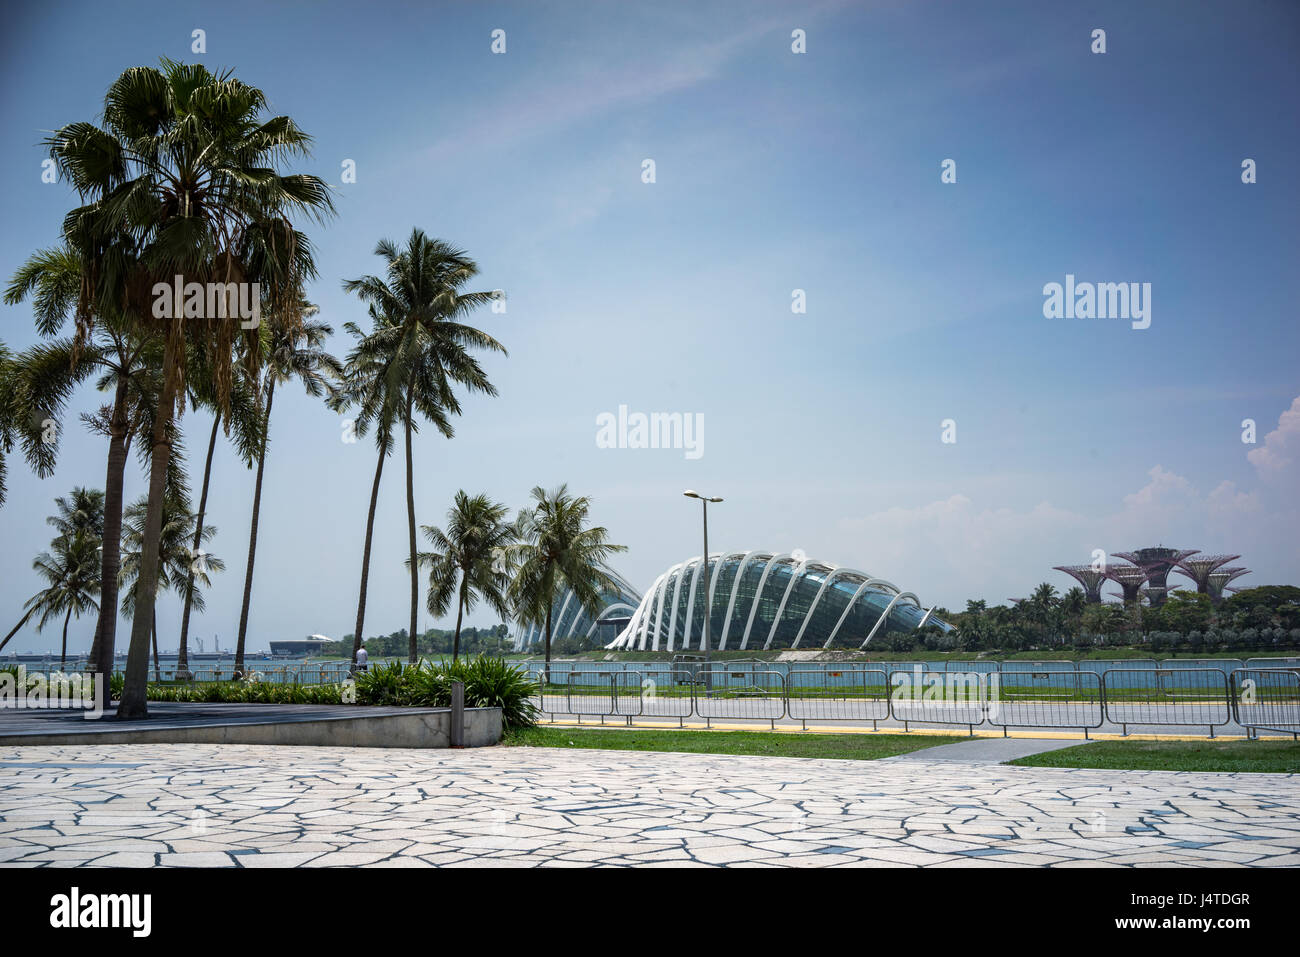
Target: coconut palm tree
246	428
181	568
466	561
557	549
425	351
293	351
74	555
71	572
185	162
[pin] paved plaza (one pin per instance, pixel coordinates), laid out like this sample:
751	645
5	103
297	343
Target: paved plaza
245	806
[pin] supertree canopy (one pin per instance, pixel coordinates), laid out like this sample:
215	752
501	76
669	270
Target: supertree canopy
1157	562
1199	568
1087	576
1130	578
1219	578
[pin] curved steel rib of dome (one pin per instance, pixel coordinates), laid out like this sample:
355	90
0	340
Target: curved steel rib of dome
761	600
571	619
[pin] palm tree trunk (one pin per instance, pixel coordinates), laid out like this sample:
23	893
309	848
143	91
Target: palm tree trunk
410	530
460	609
183	653
252	533
63	652
103	646
157	673
21	621
549	604
365	558
135	690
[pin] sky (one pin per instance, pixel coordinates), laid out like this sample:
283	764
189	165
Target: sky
774	171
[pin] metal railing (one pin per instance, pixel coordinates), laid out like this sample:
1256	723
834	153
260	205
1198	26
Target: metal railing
1267	699
1168	697
1180	697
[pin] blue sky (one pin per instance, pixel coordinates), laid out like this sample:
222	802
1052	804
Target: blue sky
774	172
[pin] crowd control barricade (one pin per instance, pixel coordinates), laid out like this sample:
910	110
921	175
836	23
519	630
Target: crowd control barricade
662	692
1267	699
740	694
1044	699
1271	664
920	696
1168	696
1026	665
843	694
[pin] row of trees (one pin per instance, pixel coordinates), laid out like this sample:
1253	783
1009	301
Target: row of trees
183	178
1253	620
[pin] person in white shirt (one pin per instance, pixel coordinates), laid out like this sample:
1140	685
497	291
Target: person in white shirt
362	658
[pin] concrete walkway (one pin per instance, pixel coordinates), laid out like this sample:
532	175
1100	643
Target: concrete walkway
237	806
987	750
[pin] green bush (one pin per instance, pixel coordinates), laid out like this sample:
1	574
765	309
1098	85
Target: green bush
489	683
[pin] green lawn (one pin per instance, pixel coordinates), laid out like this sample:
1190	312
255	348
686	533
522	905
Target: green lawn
853	747
1275	756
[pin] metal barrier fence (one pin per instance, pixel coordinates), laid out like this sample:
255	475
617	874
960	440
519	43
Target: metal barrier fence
1045	699
1267	699
1168	696
740	694
918	696
1257	699
845	695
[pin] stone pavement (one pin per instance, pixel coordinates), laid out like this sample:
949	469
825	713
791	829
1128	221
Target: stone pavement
244	806
987	750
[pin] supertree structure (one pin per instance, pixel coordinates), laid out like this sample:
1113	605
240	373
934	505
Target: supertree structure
1130	578
1218	580
1157	562
1198	569
1087	576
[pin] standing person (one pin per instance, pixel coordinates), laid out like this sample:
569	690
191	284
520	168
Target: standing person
362	657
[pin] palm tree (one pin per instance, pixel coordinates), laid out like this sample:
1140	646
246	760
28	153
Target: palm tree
292	352
180	568
70	571
72	576
424	351
466	561
246	426
557	549
185	163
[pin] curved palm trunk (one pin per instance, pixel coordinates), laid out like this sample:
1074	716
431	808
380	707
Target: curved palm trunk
63	652
410	529
183	653
252	533
365	559
460	609
21	621
135	690
103	647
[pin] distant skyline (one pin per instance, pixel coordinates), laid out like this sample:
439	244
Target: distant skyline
780	179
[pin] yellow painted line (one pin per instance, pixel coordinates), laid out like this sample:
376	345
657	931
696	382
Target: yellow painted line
946	732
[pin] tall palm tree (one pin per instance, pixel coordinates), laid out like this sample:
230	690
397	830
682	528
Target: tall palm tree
181	568
73	559
246	425
558	549
427	351
71	572
293	351
465	563
185	162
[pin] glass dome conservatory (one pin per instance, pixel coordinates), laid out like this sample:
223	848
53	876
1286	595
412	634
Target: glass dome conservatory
571	620
763	600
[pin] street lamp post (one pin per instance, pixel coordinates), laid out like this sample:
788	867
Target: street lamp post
705	500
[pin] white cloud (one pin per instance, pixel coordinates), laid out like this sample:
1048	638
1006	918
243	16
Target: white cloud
1277	458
